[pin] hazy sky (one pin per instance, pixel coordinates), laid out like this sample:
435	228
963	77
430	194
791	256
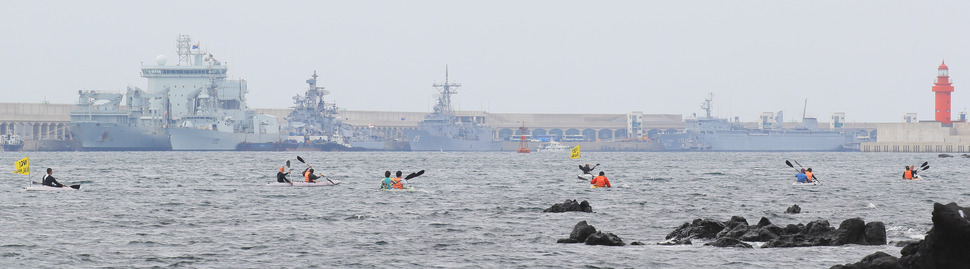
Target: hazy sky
873	60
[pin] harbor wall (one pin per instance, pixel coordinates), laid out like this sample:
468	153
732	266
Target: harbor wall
927	136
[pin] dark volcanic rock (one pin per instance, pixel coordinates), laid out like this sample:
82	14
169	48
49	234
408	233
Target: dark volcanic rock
699	228
944	155
581	231
637	243
728	242
851	231
793	228
878	260
684	241
794	209
604	239
763	234
570	205
946	245
875	233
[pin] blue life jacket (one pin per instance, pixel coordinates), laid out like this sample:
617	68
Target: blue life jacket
801	178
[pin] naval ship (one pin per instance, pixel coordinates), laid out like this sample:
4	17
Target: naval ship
442	130
206	111
99	122
312	125
715	134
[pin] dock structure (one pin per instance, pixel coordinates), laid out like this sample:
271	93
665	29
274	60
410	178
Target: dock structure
42	126
927	136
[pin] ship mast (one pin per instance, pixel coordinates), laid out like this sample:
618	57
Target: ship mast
444	102
707	107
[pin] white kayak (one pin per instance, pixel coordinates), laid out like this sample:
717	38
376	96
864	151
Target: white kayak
585	176
806	183
38	187
319	183
917	178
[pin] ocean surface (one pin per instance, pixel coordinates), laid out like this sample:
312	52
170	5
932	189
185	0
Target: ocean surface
214	209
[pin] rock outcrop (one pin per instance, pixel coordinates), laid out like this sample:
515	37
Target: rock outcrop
570	205
815	233
585	233
946	245
794	209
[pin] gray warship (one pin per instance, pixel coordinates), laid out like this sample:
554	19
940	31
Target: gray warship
442	130
205	110
99	122
715	134
312	125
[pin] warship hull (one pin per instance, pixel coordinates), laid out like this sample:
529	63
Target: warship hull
210	140
744	141
424	141
117	137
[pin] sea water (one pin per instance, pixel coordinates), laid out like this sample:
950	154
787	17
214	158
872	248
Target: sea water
214	209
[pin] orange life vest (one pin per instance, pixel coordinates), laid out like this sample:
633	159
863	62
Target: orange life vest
908	174
306	176
809	176
600	182
396	183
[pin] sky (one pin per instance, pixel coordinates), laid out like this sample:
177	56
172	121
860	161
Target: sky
873	60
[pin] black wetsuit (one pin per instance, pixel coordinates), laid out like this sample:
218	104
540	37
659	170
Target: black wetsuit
313	178
281	177
50	181
587	169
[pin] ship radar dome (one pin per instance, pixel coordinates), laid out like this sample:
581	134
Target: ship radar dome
160	59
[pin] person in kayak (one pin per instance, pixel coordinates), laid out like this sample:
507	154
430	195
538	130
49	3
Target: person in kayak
802	178
309	177
587	170
809	175
386	183
915	170
281	177
397	182
50	181
601	181
908	174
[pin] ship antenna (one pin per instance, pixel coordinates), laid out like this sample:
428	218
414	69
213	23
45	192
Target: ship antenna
444	102
707	107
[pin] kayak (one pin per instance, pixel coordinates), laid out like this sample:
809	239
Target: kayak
585	176
404	189
806	183
38	187
595	187
319	183
916	178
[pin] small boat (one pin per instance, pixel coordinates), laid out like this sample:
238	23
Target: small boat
915	178
585	176
551	146
806	183
39	187
319	183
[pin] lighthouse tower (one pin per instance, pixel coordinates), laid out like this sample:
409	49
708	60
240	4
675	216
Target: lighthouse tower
943	87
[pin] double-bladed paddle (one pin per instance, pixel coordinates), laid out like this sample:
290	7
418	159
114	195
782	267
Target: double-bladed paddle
800	165
414	175
308	166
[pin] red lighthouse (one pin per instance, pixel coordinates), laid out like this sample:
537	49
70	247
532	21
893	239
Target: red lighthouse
943	87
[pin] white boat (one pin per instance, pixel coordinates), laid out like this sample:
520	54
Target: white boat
551	146
39	187
806	183
319	183
585	176
404	189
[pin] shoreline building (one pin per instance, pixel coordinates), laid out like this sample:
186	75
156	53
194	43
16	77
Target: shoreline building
939	135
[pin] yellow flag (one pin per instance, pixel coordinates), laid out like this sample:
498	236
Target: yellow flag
23	166
574	153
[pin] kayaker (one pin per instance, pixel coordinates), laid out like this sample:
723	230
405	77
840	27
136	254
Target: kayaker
396	182
802	178
281	177
908	174
309	177
915	170
386	183
809	175
601	181
49	179
586	169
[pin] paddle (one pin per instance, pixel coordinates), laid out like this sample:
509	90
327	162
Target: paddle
308	166
291	170
414	175
800	165
76	187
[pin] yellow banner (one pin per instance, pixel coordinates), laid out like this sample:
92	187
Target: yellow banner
23	166
574	153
